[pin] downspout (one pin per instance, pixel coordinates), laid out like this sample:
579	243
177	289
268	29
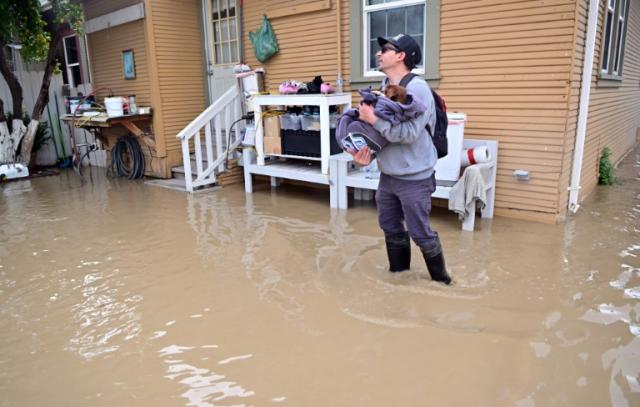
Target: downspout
585	91
339	80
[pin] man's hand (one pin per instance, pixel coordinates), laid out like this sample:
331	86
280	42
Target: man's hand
366	114
361	157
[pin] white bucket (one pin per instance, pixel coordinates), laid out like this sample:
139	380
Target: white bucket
448	167
114	106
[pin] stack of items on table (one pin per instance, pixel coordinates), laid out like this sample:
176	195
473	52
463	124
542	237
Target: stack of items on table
297	130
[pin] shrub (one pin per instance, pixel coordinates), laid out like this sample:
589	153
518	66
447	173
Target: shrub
607	172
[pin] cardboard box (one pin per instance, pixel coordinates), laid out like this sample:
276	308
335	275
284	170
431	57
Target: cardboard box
271	126
272	145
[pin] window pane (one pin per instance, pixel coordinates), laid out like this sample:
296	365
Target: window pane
77	76
396	23
232	29
415	21
373	48
218	54
607	43
234	52
214	9
373	2
72	50
420	40
225	53
216	31
224	30
378	24
232	8
223	8
618	48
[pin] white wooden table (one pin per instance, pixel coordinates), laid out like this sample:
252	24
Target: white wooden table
291	168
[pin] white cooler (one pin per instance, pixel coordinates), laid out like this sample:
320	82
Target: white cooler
448	168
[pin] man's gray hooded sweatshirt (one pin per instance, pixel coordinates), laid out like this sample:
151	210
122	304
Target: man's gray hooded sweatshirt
410	153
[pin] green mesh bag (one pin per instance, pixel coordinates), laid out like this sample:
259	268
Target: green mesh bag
264	41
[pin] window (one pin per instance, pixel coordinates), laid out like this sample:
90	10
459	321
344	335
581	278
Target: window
386	18
72	60
613	39
225	32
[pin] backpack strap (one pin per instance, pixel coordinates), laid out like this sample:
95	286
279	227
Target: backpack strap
406	79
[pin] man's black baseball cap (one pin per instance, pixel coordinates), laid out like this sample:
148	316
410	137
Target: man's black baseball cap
406	44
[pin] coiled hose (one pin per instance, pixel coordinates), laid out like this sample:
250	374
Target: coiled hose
119	162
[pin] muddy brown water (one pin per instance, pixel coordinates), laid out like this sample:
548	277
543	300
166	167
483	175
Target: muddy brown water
115	293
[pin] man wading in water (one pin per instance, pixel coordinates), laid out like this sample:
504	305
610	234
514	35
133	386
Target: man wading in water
406	164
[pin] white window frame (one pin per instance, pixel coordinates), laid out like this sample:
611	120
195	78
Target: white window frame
366	10
68	66
619	10
621	26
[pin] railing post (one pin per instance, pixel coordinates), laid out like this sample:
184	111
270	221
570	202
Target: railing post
186	159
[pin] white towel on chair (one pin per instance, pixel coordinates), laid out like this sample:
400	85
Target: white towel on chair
469	189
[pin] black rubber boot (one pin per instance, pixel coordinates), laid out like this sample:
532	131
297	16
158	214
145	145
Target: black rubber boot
435	263
398	251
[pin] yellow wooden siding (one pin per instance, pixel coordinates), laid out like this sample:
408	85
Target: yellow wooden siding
614	113
97	8
507	65
105	48
178	50
308	41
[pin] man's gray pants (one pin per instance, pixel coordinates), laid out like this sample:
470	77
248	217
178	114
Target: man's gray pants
408	201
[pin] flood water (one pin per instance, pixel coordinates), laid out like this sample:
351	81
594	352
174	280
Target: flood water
115	293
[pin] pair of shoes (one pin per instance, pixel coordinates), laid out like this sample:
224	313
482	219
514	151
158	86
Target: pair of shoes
289	87
326	87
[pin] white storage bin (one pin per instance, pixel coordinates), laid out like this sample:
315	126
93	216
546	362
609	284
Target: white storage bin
448	168
290	121
312	122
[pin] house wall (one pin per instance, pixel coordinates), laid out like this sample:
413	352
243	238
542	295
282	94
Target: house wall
168	52
614	112
175	28
105	50
507	64
308	41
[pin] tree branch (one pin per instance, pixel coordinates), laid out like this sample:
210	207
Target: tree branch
12	81
43	96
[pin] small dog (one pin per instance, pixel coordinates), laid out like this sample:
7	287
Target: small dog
395	93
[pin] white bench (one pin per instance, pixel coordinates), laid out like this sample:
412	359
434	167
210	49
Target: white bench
344	175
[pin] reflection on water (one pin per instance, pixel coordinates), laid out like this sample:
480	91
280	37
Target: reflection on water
144	296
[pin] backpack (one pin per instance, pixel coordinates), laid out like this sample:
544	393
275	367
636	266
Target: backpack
439	134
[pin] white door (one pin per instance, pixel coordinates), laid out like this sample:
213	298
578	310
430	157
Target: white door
223	44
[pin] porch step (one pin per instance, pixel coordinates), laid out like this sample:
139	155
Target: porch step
178	173
178	185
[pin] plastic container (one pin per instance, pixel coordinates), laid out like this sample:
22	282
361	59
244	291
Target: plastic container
133	108
307	143
448	168
115	106
312	122
290	121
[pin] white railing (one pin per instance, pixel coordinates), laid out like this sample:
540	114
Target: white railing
215	121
